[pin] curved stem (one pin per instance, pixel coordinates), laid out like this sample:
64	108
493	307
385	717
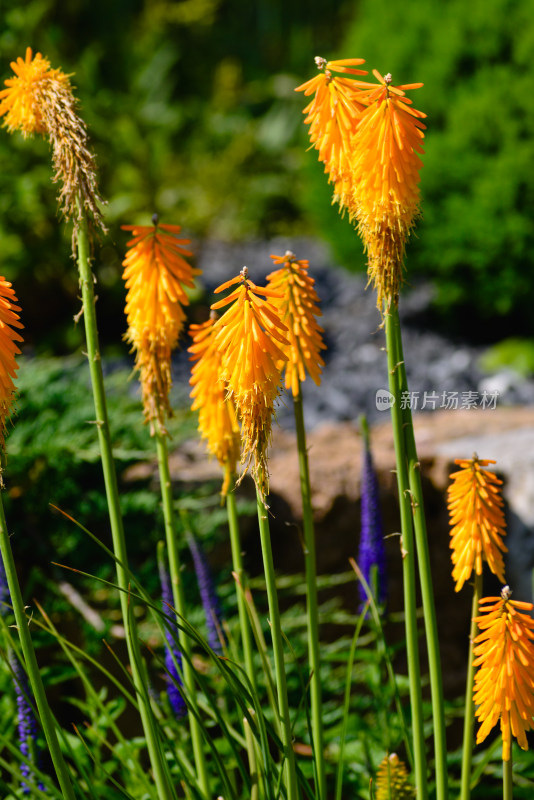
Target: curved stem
425	575
312	603
278	649
180	606
161	776
408	560
32	668
469	713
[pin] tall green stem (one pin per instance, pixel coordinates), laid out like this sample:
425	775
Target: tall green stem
237	563
425	575
507	779
32	668
278	649
180	606
469	713
157	761
312	604
408	562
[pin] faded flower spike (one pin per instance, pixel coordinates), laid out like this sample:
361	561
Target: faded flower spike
298	309
385	180
332	116
250	337
9	319
504	680
156	274
392	781
217	417
40	100
477	520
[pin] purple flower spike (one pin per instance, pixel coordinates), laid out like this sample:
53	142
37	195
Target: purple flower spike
27	725
5	597
371	554
208	595
173	656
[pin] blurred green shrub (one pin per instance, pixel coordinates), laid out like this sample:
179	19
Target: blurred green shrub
512	353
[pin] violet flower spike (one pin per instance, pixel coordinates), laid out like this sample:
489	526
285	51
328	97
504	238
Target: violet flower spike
27	724
173	656
371	553
208	595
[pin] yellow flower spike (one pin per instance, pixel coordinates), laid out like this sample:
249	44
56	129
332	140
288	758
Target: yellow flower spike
504	681
156	274
332	116
40	100
392	781
250	338
217	417
9	319
298	309
385	199
477	520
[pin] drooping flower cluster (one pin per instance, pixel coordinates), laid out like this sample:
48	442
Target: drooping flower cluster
392	782
298	309
504	680
477	520
250	337
40	100
217	417
156	274
370	138
9	320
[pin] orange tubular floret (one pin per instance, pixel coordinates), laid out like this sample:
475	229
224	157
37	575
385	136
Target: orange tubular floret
298	309
477	520
504	683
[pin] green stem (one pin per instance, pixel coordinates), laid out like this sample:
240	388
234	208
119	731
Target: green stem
408	563
32	668
312	604
425	576
276	633
507	778
469	713
239	574
161	777
180	606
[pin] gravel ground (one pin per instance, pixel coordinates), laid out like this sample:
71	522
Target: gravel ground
355	365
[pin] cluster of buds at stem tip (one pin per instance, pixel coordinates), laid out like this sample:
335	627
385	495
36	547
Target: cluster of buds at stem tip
369	138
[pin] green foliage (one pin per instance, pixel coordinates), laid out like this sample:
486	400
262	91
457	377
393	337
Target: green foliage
53	451
512	353
476	238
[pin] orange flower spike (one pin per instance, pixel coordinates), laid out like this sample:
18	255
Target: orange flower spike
40	100
385	198
332	116
477	520
156	274
217	418
9	320
250	367
504	681
298	310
